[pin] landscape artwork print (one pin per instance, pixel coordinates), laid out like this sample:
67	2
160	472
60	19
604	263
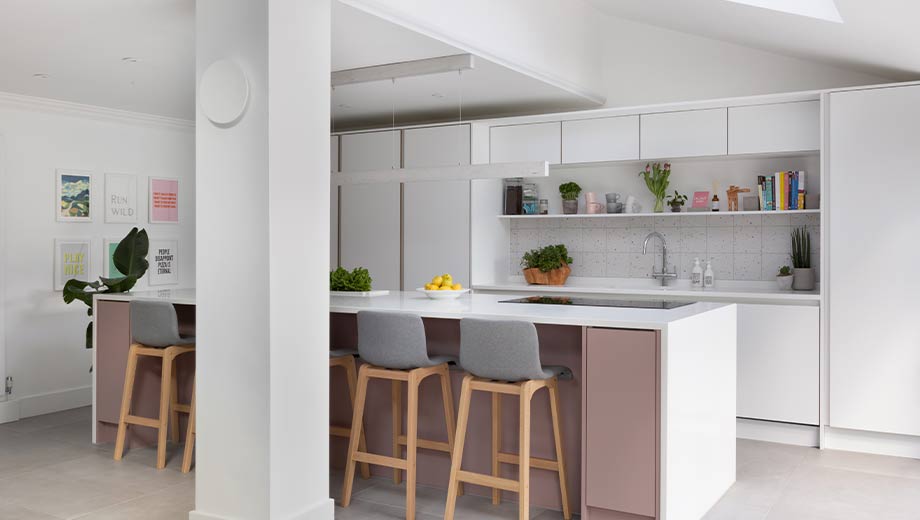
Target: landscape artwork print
74	191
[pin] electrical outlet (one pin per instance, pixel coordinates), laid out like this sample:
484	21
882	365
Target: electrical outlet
9	385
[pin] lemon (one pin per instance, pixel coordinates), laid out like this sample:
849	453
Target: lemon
429	286
444	288
437	280
457	287
447	277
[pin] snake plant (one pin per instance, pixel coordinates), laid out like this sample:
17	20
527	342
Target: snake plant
801	248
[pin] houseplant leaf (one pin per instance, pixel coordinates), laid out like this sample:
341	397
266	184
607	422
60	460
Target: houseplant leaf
130	257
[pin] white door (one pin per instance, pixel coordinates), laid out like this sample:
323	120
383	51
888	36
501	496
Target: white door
436	215
874	337
3	264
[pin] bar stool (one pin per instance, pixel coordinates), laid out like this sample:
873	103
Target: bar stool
154	333
503	357
346	359
394	347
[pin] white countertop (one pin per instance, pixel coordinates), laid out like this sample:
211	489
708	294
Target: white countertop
725	291
177	296
473	305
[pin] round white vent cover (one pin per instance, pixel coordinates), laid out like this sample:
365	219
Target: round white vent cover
223	92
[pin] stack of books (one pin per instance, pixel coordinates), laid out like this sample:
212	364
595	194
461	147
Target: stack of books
782	191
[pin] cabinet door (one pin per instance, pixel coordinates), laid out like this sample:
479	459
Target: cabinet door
370	151
530	142
334	205
778	367
604	139
873	299
621	420
780	127
436	215
691	133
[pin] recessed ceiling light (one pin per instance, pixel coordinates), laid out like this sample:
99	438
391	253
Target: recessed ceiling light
130	59
821	9
344	106
437	95
40	75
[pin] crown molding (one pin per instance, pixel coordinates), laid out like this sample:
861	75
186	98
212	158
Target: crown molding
8	99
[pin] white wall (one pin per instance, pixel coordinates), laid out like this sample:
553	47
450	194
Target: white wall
44	337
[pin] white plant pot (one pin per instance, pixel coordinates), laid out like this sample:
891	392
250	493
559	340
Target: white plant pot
785	282
803	278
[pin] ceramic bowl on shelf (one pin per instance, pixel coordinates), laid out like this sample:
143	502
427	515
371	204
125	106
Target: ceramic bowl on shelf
442	295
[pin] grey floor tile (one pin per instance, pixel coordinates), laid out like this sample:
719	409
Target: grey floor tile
40	422
362	510
21	452
865	462
14	512
172	503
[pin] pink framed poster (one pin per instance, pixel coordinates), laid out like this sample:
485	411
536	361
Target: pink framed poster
164	200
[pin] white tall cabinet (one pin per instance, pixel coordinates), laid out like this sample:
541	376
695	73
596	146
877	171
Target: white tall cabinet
334	204
874	302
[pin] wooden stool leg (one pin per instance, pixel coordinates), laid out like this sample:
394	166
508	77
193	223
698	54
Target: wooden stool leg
396	403
351	375
553	388
447	395
353	441
456	458
411	443
496	443
524	455
189	436
173	401
130	371
165	384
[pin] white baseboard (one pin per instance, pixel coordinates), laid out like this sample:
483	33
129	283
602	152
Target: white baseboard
783	433
322	510
872	442
40	404
9	411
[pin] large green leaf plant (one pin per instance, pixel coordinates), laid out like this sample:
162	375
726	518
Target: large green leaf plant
130	258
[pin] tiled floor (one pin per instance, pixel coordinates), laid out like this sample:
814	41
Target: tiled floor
50	471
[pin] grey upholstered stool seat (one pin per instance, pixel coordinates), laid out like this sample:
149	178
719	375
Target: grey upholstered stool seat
395	340
504	351
155	324
342	352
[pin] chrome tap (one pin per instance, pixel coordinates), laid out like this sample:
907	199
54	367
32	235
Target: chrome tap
664	275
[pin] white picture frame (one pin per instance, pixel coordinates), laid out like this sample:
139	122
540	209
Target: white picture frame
163	257
108	243
67	268
121	204
157	197
70	205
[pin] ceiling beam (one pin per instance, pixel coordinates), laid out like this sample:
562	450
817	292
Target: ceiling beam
403	69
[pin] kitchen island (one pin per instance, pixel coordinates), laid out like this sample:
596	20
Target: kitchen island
648	420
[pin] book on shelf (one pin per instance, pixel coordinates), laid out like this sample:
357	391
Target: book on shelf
782	191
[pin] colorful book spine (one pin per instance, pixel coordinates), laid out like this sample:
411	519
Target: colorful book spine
768	194
801	193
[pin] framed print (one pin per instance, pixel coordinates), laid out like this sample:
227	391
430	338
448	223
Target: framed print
108	250
164	200
164	262
73	196
71	260
120	198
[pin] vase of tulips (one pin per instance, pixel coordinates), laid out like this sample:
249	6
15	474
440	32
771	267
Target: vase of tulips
656	178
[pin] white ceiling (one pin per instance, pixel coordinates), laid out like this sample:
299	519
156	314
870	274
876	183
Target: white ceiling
877	37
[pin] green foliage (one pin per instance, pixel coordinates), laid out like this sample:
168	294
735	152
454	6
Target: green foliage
656	179
357	280
569	190
801	248
547	258
677	199
130	257
785	271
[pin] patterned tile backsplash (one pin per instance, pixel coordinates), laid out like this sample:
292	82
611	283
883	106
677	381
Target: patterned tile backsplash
741	247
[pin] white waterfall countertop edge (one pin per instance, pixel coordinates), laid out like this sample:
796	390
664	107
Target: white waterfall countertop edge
176	296
473	305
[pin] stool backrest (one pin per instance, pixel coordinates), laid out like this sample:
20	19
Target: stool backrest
154	324
501	350
392	339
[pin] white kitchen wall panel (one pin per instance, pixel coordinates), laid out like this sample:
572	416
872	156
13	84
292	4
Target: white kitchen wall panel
334	204
777	127
526	142
602	139
368	151
690	133
874	338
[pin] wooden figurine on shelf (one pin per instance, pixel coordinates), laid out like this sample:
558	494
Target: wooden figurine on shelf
732	194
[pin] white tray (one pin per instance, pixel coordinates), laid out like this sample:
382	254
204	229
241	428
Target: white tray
360	294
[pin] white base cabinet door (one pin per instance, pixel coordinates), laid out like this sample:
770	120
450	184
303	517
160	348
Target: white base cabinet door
370	232
778	367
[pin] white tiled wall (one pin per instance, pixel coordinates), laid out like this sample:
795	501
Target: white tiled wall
742	247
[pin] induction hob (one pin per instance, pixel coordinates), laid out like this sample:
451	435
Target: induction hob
599	302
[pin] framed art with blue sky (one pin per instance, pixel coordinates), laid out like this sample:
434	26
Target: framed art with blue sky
73	196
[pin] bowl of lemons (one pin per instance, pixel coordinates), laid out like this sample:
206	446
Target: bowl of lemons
442	287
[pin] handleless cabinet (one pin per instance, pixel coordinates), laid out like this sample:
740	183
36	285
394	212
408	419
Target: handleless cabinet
334	205
602	139
526	142
690	133
776	127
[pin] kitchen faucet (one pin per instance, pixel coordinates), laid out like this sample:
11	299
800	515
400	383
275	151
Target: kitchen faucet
663	275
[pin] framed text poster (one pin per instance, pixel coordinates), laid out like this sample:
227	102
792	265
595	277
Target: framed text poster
71	260
164	262
164	200
120	198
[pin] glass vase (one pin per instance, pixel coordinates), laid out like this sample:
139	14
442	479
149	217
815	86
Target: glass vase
659	204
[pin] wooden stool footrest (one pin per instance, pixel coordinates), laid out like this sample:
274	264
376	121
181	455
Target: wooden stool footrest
380	460
340	431
142	421
427	444
488	480
183	408
535	462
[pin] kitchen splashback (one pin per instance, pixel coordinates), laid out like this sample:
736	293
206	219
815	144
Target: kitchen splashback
742	247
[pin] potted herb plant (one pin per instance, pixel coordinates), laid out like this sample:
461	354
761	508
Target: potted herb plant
569	192
784	278
676	201
547	266
656	178
803	273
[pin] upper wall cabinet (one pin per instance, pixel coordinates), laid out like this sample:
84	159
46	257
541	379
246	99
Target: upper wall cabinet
437	146
780	127
603	139
371	151
691	133
529	142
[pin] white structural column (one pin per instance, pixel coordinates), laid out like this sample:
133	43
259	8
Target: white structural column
262	315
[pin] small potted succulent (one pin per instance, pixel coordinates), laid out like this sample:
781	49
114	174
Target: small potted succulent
803	273
784	278
569	192
547	266
676	202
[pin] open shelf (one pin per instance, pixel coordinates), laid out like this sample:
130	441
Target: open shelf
670	214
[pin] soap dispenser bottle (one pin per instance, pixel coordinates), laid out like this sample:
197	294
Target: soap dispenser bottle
696	275
709	278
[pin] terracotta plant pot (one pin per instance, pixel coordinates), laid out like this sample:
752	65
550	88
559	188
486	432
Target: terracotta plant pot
554	277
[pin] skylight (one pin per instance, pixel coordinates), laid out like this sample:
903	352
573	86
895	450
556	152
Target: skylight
820	9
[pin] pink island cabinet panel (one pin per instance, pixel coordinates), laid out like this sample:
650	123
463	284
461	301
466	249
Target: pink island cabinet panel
620	427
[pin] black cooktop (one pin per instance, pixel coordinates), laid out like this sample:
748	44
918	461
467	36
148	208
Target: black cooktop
599	302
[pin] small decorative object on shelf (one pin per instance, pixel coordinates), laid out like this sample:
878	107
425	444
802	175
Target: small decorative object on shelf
547	266
569	192
784	278
544	207
732	196
803	273
530	198
656	178
700	201
514	196
676	201
709	277
593	206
